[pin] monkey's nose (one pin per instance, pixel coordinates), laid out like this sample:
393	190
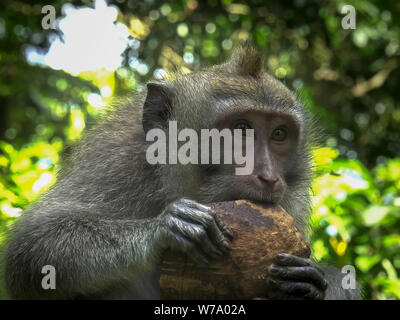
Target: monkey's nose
269	180
270	183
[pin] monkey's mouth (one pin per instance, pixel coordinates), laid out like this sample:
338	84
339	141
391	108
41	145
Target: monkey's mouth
265	199
242	189
261	197
254	193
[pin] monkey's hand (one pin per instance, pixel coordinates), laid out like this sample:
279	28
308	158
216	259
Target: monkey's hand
292	277
192	228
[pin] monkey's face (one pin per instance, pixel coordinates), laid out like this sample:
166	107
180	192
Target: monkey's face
237	95
275	143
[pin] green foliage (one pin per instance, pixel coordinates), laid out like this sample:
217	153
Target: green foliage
355	220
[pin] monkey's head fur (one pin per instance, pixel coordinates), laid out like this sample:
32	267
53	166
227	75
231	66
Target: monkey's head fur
204	100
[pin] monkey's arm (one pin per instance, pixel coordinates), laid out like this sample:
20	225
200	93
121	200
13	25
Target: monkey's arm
98	256
292	277
89	253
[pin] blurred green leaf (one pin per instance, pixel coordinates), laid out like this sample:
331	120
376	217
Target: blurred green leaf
374	214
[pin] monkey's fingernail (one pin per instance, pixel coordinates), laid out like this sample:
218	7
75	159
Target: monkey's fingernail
281	256
228	234
273	270
228	231
226	245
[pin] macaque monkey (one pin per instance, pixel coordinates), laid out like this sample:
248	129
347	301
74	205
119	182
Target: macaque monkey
110	216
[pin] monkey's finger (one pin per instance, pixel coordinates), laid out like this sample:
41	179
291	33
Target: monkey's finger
193	215
209	248
219	231
218	237
197	234
223	227
195	205
295	289
185	245
286	259
185	215
274	291
199	213
303	274
190	216
200	236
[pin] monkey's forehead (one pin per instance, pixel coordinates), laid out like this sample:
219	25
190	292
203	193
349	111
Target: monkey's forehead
220	85
224	89
256	85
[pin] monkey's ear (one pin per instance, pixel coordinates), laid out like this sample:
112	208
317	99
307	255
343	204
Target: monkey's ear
246	61
157	107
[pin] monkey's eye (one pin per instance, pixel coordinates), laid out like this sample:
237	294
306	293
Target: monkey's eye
242	126
279	134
